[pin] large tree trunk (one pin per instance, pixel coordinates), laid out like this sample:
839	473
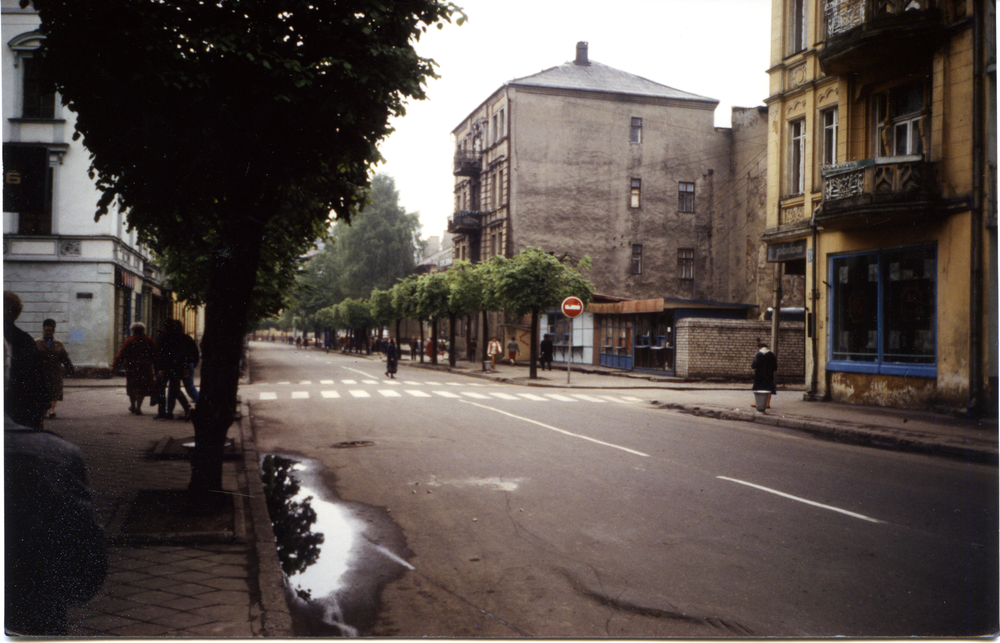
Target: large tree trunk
533	368
232	276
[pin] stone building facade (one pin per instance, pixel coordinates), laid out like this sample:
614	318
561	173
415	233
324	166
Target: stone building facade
93	278
584	159
882	193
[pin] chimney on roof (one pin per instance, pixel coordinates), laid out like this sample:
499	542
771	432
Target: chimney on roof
581	54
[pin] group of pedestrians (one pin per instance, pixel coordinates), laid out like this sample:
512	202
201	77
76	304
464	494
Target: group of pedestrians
159	369
54	545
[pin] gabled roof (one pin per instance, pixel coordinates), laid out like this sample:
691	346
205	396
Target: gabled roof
598	77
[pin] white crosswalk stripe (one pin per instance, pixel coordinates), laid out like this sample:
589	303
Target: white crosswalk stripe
359	393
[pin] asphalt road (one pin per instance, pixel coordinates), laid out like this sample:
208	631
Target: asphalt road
580	513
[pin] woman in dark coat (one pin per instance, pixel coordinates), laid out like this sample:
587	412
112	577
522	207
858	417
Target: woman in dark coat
136	356
764	365
391	358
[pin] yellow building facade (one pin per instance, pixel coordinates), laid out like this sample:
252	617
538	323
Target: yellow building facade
881	187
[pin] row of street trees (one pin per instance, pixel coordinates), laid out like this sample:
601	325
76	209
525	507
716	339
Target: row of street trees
530	283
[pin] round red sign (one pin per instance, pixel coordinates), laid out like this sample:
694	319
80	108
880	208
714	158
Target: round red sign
572	307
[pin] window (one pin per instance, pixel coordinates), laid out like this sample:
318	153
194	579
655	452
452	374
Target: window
493	191
796	156
798	31
685	197
635	133
899	121
636	258
883	312
39	99
685	263
829	119
635	193
502	130
27	188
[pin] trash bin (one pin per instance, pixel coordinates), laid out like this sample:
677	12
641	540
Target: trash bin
761	399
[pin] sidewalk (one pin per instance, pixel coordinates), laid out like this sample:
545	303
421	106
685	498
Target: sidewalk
899	429
170	574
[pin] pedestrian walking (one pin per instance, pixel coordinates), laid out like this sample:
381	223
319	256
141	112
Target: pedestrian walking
26	395
136	356
55	362
764	365
391	358
191	358
493	349
512	350
171	354
545	352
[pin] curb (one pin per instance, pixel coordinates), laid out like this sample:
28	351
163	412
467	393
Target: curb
844	434
276	619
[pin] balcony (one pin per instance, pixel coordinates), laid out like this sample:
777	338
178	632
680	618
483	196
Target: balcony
879	190
465	222
468	163
893	32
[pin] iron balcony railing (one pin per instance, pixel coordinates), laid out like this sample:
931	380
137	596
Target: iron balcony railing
893	175
465	221
467	163
844	15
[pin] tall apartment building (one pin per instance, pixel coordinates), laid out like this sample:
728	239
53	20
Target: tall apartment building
587	160
882	125
92	278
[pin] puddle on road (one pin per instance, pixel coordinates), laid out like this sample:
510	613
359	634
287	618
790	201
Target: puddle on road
336	555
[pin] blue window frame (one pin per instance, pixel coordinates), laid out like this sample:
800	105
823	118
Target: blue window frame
883	312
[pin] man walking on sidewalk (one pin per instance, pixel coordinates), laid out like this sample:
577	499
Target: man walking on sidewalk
764	365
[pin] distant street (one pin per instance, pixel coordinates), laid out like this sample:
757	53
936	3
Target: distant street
568	512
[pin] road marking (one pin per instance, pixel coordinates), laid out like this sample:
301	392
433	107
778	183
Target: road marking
419	394
300	395
533	397
456	384
348	381
475	396
612	399
504	396
305	382
587	398
326	381
389	392
283	383
561	398
803	500
629	398
391	382
268	396
370	381
433	383
447	394
411	383
358	393
330	394
558	430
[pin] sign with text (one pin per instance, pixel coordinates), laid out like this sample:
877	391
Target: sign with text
572	307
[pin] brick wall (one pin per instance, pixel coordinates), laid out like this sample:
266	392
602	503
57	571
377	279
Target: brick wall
724	348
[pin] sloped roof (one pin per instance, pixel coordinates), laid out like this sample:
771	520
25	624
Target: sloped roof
598	77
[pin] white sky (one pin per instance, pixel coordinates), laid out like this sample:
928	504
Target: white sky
715	48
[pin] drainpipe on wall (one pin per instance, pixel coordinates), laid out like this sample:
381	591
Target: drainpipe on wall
776	316
976	255
814	379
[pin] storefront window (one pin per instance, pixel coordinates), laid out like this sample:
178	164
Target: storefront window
883	311
654	347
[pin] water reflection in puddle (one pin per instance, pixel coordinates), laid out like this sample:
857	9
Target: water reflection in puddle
336	556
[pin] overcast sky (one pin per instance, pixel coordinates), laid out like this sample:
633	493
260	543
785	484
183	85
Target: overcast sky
715	48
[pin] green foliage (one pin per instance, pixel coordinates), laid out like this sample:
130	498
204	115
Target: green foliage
217	125
404	298
382	309
432	294
534	281
466	283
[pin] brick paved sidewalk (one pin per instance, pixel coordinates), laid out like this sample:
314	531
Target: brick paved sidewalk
181	579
